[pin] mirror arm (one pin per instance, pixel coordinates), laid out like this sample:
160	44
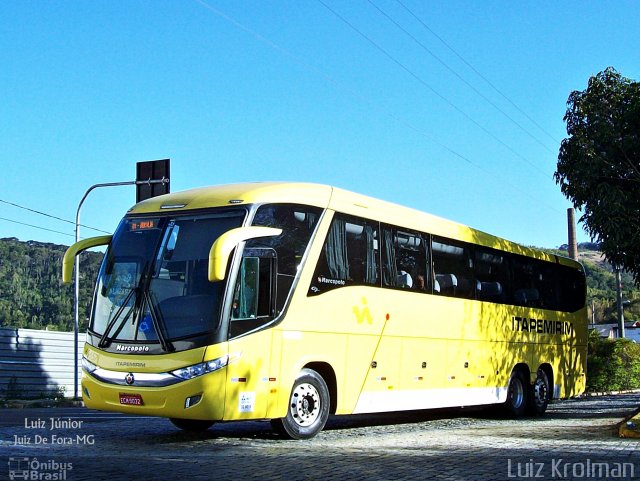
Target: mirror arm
71	253
222	247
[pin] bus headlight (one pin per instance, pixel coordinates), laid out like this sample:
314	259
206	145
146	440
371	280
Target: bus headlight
196	370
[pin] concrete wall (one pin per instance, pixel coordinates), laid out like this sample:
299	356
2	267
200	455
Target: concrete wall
35	364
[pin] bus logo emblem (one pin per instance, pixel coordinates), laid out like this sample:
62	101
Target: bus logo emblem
129	379
363	314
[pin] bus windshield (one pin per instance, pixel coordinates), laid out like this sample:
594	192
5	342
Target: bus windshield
153	285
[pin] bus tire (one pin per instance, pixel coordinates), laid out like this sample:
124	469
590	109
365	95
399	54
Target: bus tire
517	395
540	394
308	408
191	425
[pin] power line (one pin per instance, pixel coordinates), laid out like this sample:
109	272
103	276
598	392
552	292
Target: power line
36	226
478	73
358	96
425	84
51	216
460	77
339	85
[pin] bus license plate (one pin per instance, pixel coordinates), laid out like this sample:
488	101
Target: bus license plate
131	399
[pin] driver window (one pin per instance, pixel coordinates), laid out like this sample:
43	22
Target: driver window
253	303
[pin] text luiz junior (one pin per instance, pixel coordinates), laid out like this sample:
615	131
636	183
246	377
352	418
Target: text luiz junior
54	423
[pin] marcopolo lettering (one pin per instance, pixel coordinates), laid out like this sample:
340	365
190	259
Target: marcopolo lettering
335	282
541	326
127	348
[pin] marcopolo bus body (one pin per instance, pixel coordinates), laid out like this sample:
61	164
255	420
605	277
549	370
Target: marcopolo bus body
292	301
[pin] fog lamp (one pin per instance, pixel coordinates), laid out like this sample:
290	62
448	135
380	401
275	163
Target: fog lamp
192	400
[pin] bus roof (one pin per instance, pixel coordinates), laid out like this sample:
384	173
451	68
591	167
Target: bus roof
334	198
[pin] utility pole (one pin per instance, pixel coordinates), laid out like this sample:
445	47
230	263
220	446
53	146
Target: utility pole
619	303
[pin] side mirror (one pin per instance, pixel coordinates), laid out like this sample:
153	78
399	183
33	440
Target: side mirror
222	247
70	256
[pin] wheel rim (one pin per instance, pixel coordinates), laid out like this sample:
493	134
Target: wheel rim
516	393
305	404
541	391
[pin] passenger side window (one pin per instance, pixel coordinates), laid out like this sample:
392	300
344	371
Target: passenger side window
453	269
350	255
572	289
534	283
404	258
492	275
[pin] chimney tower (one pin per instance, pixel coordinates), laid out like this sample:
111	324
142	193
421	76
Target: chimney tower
573	243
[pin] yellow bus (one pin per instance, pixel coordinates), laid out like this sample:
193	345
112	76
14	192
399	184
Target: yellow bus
291	302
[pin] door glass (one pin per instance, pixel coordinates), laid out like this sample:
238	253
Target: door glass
245	300
254	296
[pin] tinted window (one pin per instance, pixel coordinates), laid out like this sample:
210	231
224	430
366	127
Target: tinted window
533	283
404	258
572	289
452	266
179	288
491	269
349	256
297	223
353	247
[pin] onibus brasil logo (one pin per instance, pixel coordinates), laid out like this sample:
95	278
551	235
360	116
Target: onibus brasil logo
32	469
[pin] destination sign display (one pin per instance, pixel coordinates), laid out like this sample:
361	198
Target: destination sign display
146	224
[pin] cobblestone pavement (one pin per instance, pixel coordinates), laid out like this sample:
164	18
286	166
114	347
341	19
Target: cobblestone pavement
576	439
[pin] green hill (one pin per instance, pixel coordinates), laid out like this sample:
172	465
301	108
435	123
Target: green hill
31	291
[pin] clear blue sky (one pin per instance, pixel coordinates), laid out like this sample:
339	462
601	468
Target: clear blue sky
289	90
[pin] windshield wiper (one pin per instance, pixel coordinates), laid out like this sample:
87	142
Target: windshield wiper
158	324
105	337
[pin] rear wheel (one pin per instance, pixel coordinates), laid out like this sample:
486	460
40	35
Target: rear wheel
540	393
308	409
517	395
192	425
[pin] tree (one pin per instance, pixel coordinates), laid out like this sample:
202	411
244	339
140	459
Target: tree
599	165
31	292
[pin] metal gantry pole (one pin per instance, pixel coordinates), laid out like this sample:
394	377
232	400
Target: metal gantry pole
619	303
76	290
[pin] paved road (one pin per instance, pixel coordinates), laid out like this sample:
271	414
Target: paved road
575	440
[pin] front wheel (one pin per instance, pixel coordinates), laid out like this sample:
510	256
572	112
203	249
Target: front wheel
517	395
191	425
308	409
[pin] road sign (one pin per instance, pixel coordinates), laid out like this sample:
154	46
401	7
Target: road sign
152	179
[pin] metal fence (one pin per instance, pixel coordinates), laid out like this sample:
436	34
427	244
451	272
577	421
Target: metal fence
37	364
